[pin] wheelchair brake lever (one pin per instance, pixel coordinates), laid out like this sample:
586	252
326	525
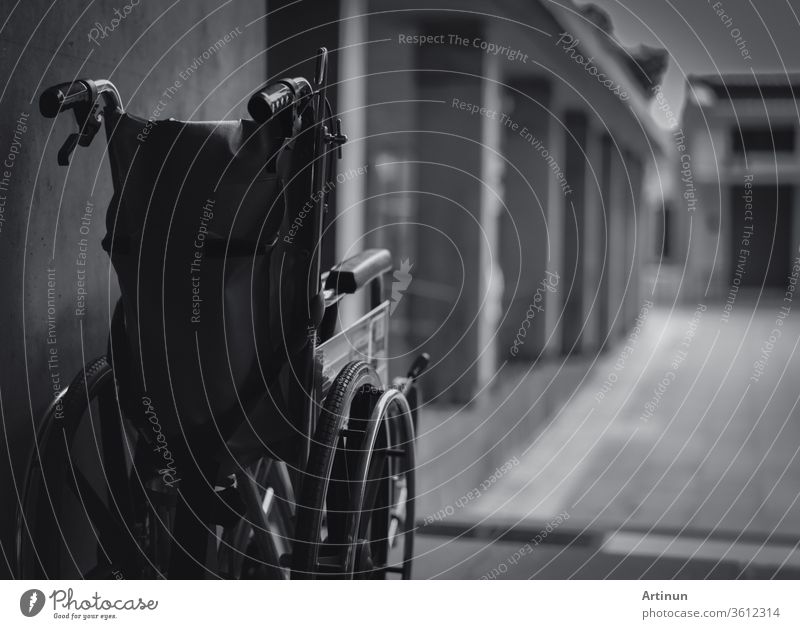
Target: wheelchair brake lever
89	120
67	148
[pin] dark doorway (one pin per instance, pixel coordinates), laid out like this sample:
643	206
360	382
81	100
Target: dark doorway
770	207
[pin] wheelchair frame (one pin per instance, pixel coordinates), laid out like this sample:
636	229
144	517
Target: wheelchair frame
356	406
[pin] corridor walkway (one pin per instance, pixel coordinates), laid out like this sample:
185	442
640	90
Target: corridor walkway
692	429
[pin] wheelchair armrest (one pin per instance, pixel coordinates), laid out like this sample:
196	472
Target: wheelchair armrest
354	273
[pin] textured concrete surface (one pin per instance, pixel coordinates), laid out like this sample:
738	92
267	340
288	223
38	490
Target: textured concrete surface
705	466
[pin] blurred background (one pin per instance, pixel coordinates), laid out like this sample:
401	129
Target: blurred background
591	210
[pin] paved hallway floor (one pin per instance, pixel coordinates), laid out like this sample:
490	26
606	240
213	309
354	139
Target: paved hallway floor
692	428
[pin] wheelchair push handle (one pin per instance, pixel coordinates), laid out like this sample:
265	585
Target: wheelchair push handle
80	95
275	97
64	96
89	101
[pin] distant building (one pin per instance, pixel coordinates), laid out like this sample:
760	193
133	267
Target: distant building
738	187
508	159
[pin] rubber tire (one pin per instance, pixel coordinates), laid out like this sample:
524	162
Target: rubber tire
332	420
74	404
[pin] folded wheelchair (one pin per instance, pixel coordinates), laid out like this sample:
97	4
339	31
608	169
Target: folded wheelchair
231	430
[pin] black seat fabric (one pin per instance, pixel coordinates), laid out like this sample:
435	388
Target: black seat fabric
190	230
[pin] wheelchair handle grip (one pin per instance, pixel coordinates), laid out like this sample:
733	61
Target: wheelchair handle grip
64	96
273	98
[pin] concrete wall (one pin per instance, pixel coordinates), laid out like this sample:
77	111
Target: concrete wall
144	52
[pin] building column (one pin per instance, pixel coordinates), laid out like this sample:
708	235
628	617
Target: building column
556	211
352	97
491	271
635	239
617	236
593	242
604	309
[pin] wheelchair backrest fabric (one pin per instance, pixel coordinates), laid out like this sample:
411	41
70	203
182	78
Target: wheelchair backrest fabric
196	209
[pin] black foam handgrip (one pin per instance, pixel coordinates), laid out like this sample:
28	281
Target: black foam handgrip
267	102
63	96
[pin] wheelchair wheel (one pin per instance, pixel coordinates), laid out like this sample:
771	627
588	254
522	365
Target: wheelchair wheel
355	516
75	517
